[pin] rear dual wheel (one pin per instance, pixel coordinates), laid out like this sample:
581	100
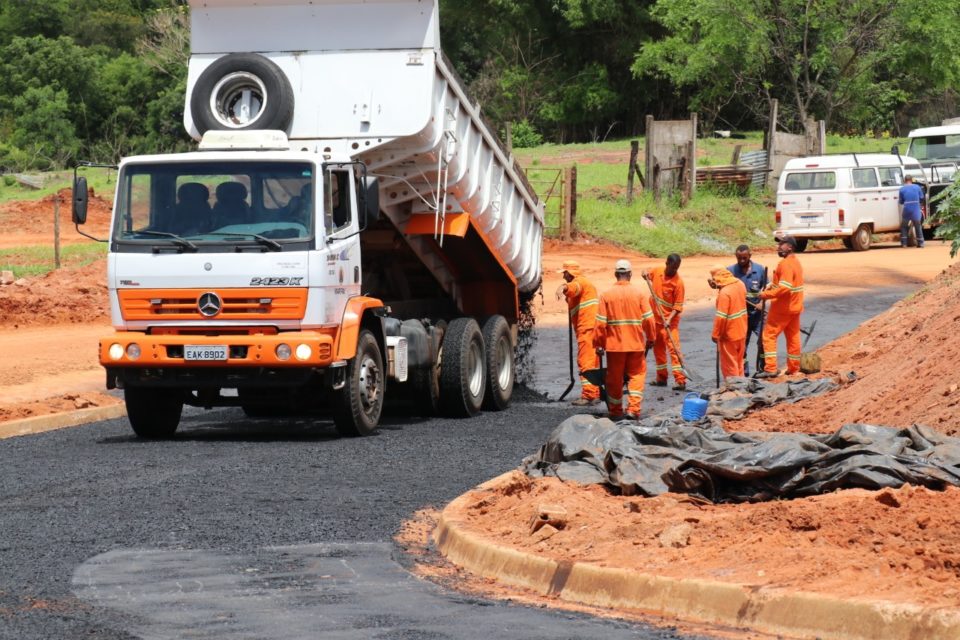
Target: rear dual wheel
476	367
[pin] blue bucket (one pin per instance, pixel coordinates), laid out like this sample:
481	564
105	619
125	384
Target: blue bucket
694	407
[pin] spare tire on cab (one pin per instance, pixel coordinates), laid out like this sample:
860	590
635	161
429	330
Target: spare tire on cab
242	91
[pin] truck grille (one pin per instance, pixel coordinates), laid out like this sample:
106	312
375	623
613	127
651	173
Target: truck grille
237	304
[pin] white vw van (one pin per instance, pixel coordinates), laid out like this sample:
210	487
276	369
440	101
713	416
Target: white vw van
849	196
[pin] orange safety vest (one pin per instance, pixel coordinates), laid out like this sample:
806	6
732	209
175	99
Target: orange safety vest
668	292
624	319
730	321
582	302
786	294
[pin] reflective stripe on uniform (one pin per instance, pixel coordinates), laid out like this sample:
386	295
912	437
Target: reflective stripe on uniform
583	305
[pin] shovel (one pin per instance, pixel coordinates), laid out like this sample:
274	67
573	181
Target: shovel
809	362
695	379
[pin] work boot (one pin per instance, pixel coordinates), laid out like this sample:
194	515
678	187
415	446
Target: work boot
659	383
680	387
766	374
631	416
585	402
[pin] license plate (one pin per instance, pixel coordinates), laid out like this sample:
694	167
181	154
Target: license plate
204	352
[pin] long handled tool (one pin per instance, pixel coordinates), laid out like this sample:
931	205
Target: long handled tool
683	369
573	380
763	321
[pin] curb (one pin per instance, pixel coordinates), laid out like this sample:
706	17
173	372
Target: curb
39	424
764	609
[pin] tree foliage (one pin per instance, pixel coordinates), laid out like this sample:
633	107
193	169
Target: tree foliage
98	79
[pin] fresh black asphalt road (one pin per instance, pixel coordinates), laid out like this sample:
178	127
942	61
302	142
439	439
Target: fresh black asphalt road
253	530
259	529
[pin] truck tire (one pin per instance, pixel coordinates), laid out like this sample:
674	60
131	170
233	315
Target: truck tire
499	363
802	244
861	238
242	91
154	414
358	406
426	380
463	374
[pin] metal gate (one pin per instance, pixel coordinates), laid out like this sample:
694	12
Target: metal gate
550	185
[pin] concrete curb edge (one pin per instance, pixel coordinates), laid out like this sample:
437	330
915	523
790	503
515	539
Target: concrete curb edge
767	610
39	424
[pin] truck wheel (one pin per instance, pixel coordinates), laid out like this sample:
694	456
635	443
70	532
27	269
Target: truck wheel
359	404
154	413
242	91
912	237
499	363
802	244
463	378
861	238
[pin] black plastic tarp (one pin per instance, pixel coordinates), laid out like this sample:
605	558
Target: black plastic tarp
665	454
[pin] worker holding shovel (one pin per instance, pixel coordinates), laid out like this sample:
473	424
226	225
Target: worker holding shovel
582	302
730	321
624	331
785	294
668	294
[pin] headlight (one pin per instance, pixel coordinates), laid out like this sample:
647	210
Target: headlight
116	351
304	352
133	351
284	352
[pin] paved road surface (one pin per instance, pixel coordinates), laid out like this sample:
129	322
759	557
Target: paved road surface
250	529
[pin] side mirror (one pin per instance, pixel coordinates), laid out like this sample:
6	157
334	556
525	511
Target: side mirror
895	150
369	201
79	200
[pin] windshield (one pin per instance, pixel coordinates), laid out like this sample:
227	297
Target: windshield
213	204
935	147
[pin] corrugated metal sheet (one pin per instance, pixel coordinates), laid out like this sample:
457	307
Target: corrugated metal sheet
758	161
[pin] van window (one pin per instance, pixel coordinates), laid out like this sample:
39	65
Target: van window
864	178
890	176
810	180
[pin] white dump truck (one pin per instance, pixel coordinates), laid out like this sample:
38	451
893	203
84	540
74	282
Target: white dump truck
349	230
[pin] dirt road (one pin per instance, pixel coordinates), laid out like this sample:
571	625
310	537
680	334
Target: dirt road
51	368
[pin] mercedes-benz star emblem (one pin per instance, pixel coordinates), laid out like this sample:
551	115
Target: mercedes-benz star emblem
209	304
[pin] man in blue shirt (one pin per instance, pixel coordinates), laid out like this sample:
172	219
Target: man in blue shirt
911	195
754	278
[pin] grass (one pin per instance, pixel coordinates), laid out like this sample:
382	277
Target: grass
103	182
38	261
713	222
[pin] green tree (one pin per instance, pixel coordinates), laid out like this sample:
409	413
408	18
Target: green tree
42	127
821	59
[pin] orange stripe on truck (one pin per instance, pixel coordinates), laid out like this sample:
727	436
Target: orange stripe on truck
238	304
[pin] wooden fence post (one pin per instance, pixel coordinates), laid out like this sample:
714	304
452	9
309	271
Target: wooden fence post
56	231
572	197
631	169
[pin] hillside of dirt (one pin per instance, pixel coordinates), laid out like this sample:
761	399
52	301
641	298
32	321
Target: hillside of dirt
63	296
25	223
905	363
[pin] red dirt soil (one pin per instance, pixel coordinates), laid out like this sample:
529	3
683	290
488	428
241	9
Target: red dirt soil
905	362
898	546
27	223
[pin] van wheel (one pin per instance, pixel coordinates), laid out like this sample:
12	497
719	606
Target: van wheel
861	238
463	372
802	244
242	91
359	404
499	363
154	414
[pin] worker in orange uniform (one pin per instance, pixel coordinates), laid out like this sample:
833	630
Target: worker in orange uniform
625	331
730	321
668	294
785	293
582	302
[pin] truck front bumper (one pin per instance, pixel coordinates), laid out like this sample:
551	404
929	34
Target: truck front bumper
302	349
